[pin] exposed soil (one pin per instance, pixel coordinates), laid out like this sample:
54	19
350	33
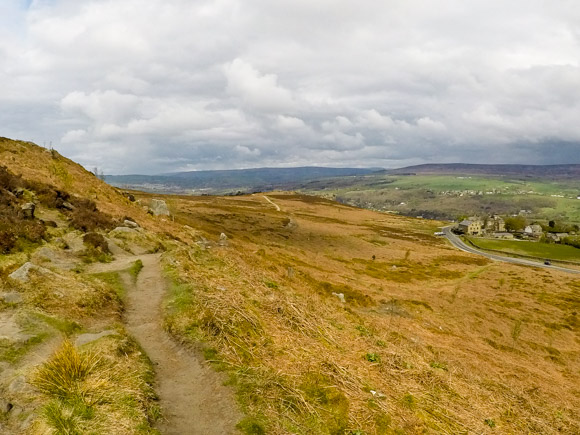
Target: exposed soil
192	395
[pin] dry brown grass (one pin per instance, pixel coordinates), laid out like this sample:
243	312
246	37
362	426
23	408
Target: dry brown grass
448	343
37	164
94	391
436	344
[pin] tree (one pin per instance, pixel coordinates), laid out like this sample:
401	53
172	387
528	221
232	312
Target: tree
516	223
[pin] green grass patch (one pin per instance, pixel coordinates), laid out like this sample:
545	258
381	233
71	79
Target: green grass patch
534	249
135	268
67	327
114	280
12	352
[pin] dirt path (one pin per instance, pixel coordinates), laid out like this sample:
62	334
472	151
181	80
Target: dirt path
192	396
272	202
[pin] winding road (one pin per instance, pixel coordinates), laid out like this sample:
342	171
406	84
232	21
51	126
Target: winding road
460	244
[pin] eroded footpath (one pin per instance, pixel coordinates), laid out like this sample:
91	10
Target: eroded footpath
192	395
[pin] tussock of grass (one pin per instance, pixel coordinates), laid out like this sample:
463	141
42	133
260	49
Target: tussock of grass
66	376
91	391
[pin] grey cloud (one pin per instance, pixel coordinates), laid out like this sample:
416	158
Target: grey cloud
159	86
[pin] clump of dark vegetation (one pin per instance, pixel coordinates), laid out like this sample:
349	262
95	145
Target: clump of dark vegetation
17	230
86	217
97	248
96	241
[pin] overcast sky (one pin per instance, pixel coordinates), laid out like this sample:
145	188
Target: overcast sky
152	86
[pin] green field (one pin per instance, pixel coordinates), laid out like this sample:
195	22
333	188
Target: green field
534	249
451	196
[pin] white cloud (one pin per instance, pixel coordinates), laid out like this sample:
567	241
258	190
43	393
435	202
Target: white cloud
258	91
148	86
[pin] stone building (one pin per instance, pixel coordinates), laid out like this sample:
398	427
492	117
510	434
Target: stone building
471	227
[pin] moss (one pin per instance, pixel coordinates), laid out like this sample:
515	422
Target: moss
12	352
320	391
251	426
67	327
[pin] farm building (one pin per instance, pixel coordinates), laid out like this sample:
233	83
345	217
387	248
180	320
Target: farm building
471	227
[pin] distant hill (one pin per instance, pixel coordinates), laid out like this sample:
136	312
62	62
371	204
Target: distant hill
519	171
237	179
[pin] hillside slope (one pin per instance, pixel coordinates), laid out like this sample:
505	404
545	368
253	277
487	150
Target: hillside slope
428	339
553	172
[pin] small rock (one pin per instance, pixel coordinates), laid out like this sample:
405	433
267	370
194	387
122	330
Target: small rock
129	196
46	254
223	240
67	205
158	207
89	338
11	297
204	243
16	411
394	267
339	296
27	210
22	273
74	241
19	385
291	224
130	224
5	406
61	243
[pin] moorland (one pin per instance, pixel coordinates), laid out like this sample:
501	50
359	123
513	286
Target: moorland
303	314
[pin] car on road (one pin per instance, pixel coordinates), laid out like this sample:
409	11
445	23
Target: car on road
547	262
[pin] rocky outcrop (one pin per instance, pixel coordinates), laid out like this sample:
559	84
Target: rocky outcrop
27	210
11	297
158	207
22	274
130	224
89	338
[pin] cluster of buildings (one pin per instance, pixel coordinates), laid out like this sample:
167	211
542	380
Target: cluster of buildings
477	226
495	226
